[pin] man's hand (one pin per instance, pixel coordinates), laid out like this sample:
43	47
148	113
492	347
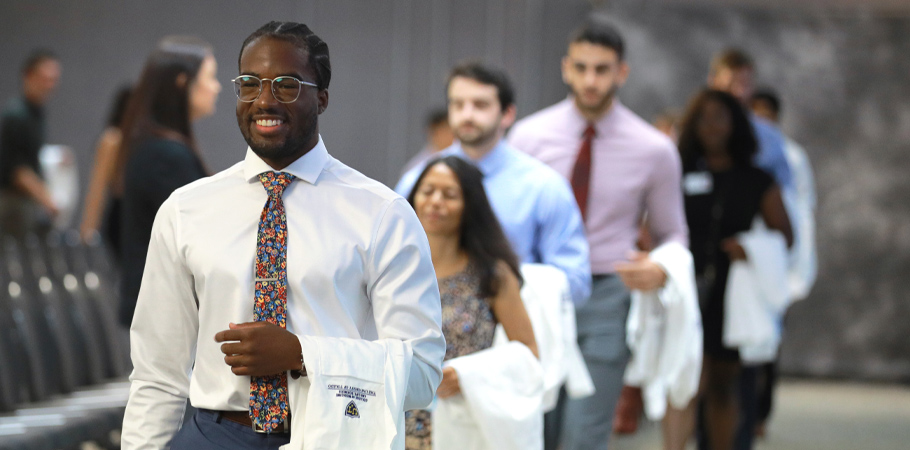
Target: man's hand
259	349
640	273
731	247
449	385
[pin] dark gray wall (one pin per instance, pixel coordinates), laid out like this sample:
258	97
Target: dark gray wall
843	80
389	58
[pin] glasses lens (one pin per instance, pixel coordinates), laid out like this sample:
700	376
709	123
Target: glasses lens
247	88
285	89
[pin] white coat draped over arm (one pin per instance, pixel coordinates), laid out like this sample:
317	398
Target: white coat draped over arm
664	334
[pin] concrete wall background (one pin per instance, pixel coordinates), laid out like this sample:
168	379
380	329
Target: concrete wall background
842	76
843	80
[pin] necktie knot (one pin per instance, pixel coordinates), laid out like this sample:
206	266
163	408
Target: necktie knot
275	182
590	131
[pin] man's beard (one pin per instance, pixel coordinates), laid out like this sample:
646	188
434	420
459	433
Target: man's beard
481	137
602	103
291	145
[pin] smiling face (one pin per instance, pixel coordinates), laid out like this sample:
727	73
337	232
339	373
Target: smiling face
280	132
439	201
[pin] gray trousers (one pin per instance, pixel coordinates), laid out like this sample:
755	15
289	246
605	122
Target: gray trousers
207	431
587	423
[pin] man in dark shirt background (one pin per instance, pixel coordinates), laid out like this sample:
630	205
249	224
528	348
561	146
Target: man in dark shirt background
25	201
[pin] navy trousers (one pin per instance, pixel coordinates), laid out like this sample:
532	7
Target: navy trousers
206	430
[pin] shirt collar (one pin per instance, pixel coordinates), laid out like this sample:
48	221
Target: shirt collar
602	125
306	168
490	163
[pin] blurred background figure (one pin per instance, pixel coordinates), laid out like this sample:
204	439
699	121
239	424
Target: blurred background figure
733	71
158	153
803	258
102	203
439	137
723	193
477	271
26	203
667	122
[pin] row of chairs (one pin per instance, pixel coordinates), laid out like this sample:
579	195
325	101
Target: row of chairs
63	355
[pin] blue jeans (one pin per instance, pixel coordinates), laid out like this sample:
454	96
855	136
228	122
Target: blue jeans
208	431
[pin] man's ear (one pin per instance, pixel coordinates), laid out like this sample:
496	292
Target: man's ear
323	99
508	117
180	81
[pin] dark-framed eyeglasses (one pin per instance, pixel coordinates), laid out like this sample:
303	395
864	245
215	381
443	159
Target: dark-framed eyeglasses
285	89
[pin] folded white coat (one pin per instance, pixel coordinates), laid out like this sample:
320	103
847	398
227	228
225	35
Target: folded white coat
352	397
664	334
757	295
500	404
547	298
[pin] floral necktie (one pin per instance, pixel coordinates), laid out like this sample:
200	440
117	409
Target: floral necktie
269	394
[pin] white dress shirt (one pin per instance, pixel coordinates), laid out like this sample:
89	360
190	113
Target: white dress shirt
358	267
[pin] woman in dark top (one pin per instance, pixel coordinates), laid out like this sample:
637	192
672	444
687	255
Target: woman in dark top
477	271
724	192
158	153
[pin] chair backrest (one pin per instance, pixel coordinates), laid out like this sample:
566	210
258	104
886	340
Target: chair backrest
46	303
101	289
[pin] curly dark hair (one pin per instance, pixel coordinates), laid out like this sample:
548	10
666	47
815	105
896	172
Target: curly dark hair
741	144
301	35
481	235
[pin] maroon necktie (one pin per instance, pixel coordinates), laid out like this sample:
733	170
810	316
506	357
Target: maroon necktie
581	173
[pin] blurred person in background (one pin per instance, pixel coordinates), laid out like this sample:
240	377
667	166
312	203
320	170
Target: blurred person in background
724	192
621	169
439	138
667	122
158	152
25	201
733	71
533	203
803	259
102	204
476	269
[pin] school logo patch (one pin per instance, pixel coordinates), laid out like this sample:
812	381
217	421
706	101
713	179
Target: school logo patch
351	410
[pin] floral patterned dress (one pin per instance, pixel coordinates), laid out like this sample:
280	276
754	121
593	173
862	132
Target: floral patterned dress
468	326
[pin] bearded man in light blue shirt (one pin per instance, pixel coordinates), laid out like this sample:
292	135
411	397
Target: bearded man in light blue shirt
534	204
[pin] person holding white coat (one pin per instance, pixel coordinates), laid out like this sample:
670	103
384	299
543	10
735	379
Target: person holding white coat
478	275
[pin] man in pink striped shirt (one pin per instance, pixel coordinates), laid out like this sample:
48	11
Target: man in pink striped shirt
622	170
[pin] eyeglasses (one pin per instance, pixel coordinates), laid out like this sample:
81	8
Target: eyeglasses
284	89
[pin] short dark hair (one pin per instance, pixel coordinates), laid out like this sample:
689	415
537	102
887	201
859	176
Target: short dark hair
300	34
37	57
741	144
600	34
770	97
437	116
733	59
481	236
486	75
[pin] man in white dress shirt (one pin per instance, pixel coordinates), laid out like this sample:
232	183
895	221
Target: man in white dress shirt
357	266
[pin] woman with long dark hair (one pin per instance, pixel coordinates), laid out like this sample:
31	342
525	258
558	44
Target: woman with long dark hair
724	192
478	273
102	201
158	153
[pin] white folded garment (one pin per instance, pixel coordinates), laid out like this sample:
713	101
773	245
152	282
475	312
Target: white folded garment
757	295
664	334
352	397
499	407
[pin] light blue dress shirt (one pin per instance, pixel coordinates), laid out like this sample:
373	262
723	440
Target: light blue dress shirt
771	156
536	209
